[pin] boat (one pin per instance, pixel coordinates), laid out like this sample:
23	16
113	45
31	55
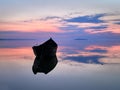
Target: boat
46	58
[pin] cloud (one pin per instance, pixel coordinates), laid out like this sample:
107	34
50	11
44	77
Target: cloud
51	17
117	23
86	59
98	50
111	28
31	26
87	19
98	27
92	24
84	28
71	28
87	24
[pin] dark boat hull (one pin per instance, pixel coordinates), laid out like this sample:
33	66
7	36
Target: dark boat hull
46	58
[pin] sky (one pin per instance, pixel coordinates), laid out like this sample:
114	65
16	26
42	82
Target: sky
87	31
80	18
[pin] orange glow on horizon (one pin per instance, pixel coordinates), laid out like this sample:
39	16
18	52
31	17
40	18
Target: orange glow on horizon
31	26
53	25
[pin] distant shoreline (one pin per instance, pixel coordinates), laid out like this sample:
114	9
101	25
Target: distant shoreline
15	39
80	39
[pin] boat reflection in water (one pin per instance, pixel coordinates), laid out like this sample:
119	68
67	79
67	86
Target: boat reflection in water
46	58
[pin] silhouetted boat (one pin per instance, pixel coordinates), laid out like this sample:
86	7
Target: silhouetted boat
46	58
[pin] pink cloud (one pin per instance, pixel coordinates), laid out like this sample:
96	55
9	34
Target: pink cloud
32	26
113	28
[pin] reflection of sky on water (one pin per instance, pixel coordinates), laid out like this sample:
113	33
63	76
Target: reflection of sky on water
75	70
82	51
87	51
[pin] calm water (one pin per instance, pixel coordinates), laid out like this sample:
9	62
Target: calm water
83	65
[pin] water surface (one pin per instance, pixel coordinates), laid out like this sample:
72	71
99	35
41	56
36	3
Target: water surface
83	65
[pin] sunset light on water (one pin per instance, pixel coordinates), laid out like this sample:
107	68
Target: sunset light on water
88	37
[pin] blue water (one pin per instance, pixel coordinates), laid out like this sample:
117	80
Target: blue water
84	64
